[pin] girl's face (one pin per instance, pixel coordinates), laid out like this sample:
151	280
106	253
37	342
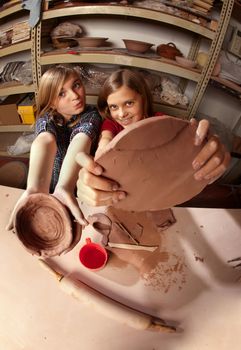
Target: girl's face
125	106
71	99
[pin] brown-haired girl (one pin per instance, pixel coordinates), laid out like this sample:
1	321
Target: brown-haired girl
124	99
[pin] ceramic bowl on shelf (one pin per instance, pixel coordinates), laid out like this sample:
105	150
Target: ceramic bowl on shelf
137	46
185	62
88	41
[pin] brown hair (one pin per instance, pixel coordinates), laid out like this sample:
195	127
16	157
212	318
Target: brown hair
131	79
50	86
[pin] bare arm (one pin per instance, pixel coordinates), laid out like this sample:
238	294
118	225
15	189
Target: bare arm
65	187
42	156
105	137
41	161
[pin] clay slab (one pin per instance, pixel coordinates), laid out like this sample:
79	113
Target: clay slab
152	162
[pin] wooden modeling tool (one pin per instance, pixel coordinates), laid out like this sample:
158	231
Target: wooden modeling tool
123	228
132	246
107	306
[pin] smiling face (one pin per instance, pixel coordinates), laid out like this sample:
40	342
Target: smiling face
71	98
125	106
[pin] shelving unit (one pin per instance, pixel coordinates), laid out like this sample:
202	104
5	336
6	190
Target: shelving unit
118	57
129	11
215	48
10	133
12	88
112	57
201	78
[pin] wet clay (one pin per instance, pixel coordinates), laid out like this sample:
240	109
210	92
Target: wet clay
45	227
152	162
101	224
161	270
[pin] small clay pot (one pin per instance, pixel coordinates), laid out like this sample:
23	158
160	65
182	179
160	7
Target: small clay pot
137	46
168	51
45	227
88	41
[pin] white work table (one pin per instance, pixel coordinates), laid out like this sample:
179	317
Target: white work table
197	290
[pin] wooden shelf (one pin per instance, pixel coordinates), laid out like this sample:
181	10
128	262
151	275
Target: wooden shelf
15	128
122	59
13	88
11	49
6	11
131	11
224	84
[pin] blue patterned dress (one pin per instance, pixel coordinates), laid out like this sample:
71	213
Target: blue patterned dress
88	122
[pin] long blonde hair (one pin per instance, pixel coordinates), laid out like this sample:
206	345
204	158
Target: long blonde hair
131	79
50	86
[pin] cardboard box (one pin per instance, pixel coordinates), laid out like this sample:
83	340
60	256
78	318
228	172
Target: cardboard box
27	109
9	110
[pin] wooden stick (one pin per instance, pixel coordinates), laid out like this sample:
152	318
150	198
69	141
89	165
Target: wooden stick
132	246
121	226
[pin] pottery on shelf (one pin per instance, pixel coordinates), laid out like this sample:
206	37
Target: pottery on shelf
168	50
185	62
137	46
88	41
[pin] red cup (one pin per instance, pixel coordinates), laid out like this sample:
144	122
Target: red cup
93	255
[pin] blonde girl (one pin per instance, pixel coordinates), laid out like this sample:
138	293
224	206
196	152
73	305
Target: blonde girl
65	126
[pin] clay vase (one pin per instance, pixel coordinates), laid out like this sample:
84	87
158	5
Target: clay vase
45	227
169	51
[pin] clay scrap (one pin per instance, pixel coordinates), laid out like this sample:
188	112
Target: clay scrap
102	224
152	162
162	219
45	227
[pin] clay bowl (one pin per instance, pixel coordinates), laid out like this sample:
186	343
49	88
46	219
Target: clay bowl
88	41
185	62
45	227
137	46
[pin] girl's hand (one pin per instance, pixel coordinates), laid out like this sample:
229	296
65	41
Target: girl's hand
213	159
24	195
92	188
69	200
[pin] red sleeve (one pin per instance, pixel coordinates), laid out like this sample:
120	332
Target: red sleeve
158	114
112	126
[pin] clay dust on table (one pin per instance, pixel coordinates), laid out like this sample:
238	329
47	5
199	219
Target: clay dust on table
165	275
